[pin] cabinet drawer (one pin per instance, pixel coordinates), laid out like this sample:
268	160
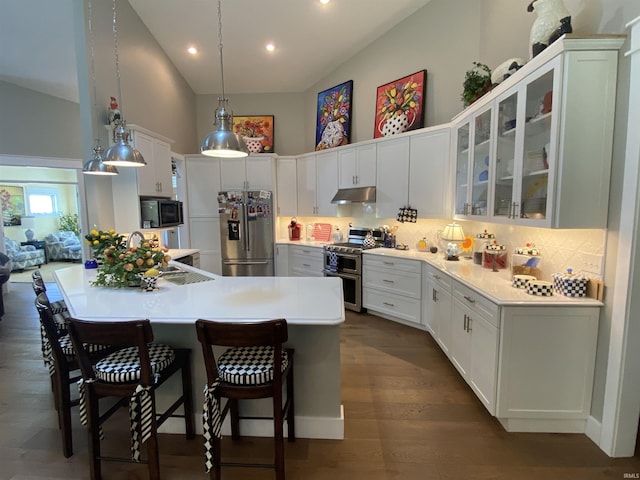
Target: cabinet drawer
395	305
477	302
390	263
305	261
439	278
393	281
304	250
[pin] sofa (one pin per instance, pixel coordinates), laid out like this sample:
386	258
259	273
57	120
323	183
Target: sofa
63	245
23	256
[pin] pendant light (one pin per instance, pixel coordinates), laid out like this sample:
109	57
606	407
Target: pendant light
121	154
96	166
223	142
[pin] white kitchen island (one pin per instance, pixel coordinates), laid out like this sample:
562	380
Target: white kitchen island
312	307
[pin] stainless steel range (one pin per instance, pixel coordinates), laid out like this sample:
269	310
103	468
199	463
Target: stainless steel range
344	260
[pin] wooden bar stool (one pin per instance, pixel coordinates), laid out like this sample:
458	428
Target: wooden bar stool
247	370
60	358
133	373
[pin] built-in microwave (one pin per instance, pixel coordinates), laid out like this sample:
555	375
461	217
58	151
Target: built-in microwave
160	212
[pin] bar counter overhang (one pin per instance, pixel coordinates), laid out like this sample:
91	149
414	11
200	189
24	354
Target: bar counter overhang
312	306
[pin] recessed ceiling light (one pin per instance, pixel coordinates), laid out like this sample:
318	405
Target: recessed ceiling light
324	2
192	50
270	47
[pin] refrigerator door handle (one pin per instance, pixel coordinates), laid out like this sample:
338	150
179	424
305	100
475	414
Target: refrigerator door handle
245	228
246	262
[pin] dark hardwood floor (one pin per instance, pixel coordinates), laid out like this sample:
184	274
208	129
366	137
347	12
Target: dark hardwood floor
408	416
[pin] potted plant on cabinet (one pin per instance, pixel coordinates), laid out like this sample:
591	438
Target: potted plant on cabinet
477	82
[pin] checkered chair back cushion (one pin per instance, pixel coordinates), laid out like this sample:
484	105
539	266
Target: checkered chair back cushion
249	365
124	365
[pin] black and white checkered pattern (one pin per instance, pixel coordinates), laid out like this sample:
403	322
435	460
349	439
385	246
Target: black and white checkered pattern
124	365
211	422
570	285
141	414
249	365
541	288
522	281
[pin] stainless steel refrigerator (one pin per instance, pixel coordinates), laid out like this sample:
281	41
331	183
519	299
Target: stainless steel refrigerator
246	233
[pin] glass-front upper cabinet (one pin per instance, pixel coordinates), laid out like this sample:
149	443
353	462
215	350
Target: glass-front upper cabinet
480	160
473	154
503	192
462	169
538	150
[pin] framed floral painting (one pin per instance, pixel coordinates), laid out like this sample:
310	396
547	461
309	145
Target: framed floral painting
400	105
13	209
333	125
257	132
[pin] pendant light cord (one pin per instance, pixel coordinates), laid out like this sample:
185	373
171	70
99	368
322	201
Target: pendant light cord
115	48
220	48
93	73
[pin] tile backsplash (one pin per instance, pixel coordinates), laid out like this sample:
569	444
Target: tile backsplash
580	249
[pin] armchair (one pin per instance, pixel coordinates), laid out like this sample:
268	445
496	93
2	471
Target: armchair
63	245
23	256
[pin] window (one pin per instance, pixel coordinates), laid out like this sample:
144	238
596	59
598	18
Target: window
42	201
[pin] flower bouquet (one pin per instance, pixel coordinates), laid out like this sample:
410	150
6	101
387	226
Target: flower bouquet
124	266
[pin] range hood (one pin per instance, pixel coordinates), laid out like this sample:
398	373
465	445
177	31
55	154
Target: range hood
355	195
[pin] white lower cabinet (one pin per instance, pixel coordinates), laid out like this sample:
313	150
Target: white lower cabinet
437	306
547	361
205	236
282	260
474	342
305	261
393	287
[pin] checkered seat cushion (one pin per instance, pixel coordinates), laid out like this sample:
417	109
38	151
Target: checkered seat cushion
67	346
124	365
249	365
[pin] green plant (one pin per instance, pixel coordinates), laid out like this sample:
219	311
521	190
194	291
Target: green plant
477	82
123	266
69	222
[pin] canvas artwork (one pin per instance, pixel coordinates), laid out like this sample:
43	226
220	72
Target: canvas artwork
333	125
400	105
256	131
12	199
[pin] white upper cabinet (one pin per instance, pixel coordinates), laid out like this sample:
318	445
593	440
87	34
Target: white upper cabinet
429	172
286	186
392	176
155	178
255	172
357	166
203	185
549	139
317	183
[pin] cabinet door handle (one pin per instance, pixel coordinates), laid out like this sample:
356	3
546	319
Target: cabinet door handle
515	210
388	263
464	322
469	299
387	281
306	265
434	295
437	277
469	320
388	304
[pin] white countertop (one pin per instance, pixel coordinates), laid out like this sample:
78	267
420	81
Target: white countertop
181	252
496	286
306	243
301	300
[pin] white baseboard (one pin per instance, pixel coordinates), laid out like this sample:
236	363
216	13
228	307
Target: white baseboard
328	428
593	430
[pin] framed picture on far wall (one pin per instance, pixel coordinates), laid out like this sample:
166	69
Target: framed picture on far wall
13	209
256	131
400	105
333	124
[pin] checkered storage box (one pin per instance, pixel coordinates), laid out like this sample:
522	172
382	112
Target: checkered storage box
570	284
540	288
522	281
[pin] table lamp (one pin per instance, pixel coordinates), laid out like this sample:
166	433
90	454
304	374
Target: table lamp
453	235
30	223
